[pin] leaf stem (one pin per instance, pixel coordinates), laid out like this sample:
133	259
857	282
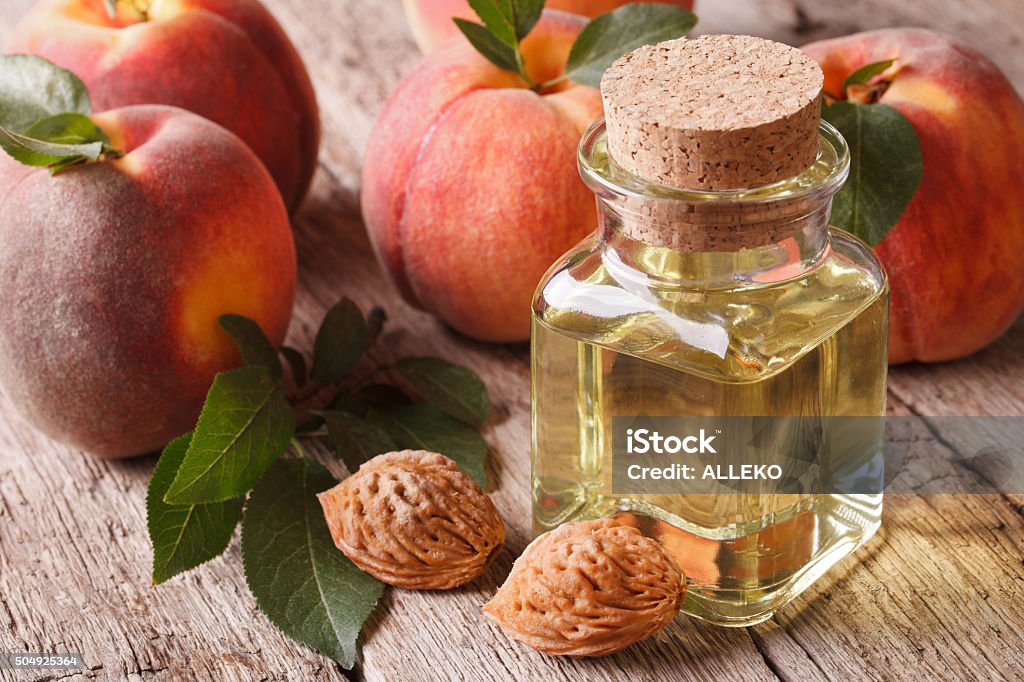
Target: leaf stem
375	320
141	7
299	449
554	81
521	68
110	152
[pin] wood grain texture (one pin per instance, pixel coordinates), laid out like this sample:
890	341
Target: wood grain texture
938	594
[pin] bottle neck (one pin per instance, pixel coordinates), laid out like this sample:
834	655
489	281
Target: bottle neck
731	238
740	252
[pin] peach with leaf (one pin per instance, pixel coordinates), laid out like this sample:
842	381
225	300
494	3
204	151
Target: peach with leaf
124	236
226	60
470	187
936	133
431	20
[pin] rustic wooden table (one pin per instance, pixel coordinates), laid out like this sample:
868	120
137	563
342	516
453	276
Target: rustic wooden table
938	593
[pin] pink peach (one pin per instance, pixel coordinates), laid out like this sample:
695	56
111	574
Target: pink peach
470	187
226	60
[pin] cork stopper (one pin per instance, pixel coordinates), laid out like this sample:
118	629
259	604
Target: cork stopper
713	113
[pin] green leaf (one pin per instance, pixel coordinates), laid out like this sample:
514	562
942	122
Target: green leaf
184	536
345	402
63	164
297	363
44	115
304	585
509	21
527	14
245	425
456	390
612	35
499	17
864	74
111	7
425	427
356	440
340	342
497	52
56	141
32	88
33	151
67	129
885	168
253	345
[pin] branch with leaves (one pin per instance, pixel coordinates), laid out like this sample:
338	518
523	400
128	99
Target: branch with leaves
506	23
233	466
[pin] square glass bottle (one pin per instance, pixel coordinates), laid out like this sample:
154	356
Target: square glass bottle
715	287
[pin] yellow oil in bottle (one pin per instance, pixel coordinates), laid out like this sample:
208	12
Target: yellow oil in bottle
624	328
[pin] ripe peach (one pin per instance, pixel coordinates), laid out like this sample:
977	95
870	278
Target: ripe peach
470	187
226	60
431	20
113	275
956	257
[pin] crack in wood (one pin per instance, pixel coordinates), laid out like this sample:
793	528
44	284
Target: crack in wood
795	670
965	461
773	666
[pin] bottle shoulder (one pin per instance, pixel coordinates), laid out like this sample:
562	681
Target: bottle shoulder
744	331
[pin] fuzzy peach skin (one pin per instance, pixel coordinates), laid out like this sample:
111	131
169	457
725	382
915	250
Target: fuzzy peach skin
956	257
113	275
470	187
431	20
226	60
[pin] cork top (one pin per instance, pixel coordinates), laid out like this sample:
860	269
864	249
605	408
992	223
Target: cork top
713	113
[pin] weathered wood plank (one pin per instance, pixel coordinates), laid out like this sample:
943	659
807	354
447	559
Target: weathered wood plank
74	576
938	593
932	596
995	27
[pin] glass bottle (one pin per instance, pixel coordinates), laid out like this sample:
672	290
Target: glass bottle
712	303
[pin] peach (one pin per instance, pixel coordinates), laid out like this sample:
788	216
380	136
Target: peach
956	257
114	274
470	187
431	20
226	60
